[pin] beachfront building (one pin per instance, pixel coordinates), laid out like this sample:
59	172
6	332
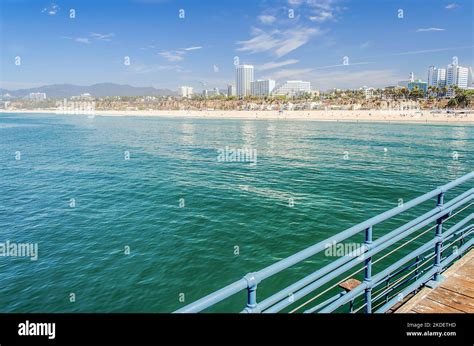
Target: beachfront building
262	88
244	78
37	96
231	90
292	88
436	77
457	75
185	91
368	92
418	84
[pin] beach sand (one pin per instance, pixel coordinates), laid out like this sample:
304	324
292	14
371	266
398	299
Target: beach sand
410	116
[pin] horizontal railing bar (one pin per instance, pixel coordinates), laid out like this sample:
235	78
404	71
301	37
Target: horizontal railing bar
327	301
215	297
308	284
431	213
277	267
383	274
425	277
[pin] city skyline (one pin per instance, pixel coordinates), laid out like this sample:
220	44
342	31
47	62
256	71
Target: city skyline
95	45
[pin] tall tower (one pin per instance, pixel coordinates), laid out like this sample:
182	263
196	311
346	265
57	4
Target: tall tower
244	78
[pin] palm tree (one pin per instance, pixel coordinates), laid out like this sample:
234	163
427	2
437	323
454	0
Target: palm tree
444	90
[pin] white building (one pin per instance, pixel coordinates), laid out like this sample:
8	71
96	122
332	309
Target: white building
244	78
368	92
457	75
185	91
230	90
262	87
292	88
37	96
436	77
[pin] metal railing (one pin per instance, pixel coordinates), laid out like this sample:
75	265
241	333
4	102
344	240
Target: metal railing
430	253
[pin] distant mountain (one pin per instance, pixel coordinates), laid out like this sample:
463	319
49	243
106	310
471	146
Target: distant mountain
98	90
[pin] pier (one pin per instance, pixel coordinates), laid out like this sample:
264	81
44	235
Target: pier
455	294
423	263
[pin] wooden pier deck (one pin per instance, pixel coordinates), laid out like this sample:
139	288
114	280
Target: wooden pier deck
454	295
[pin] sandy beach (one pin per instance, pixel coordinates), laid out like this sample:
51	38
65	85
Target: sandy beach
410	116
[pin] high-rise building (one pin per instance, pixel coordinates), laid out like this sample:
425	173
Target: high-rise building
292	88
457	75
244	78
186	91
262	87
436	77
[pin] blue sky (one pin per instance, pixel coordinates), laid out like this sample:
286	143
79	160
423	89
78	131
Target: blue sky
284	39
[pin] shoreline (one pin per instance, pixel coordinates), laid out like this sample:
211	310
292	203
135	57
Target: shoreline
407	116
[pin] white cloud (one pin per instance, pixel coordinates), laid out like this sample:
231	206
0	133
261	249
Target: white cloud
451	6
321	17
143	68
82	40
266	19
51	9
366	45
102	37
192	48
278	42
429	29
172	55
319	10
271	65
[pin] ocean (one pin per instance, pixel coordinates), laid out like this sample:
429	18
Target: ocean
147	214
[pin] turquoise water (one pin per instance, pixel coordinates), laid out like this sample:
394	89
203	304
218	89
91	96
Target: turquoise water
337	174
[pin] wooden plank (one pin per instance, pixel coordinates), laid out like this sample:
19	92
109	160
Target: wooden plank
464	259
452	299
349	285
411	303
465	273
428	306
459	285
